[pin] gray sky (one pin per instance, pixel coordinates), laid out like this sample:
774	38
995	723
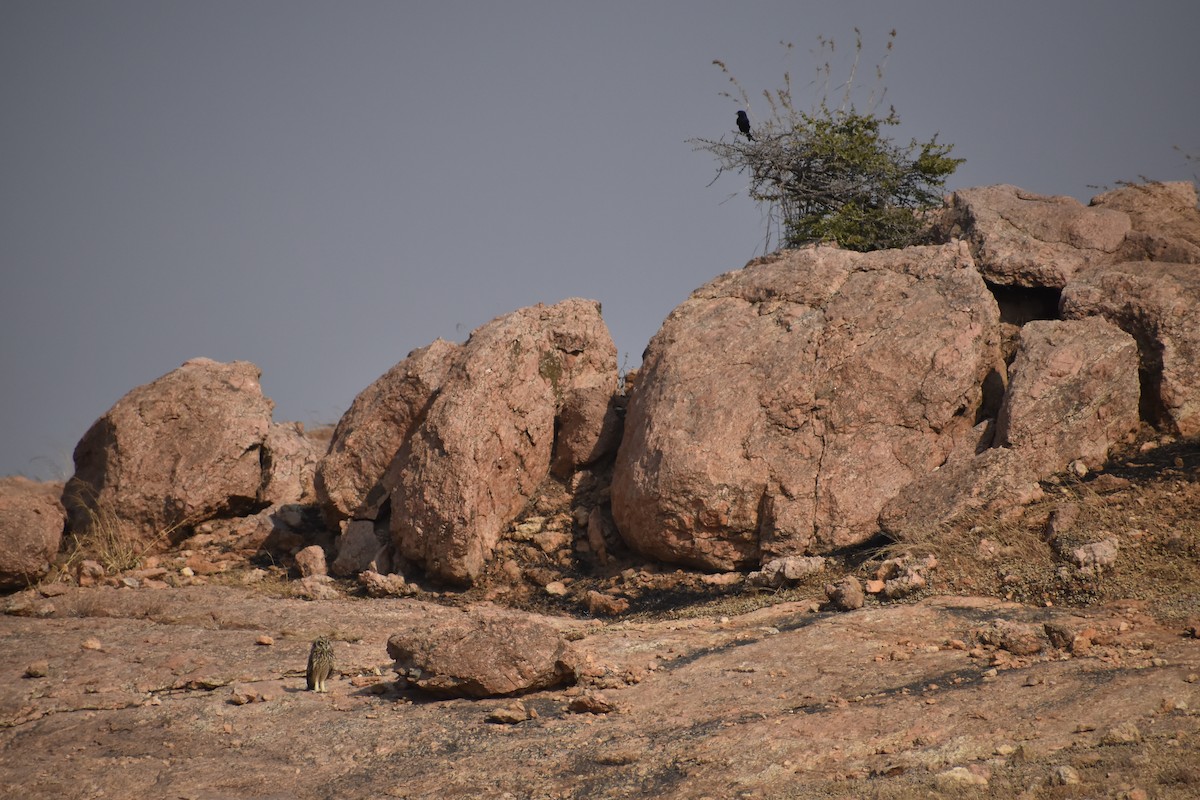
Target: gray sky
322	187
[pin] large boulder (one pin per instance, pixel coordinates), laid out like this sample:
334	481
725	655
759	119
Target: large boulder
1165	219
291	457
1023	239
31	528
487	439
182	449
1072	394
484	651
1158	303
781	406
371	432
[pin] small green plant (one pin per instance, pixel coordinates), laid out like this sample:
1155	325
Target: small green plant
832	174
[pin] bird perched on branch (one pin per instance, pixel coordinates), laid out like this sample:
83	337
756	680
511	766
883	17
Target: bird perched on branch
743	123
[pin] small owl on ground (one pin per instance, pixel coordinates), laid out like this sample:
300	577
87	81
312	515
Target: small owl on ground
320	664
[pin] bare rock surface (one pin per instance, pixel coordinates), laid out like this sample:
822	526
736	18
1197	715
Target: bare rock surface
1025	239
1165	219
359	549
31	528
371	432
487	439
179	450
1156	304
1073	393
291	457
485	651
997	481
781	406
157	693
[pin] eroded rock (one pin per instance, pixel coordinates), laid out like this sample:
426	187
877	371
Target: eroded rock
995	482
179	450
1073	393
487	439
31	527
1024	239
485	651
780	571
1156	304
371	432
781	406
1166	221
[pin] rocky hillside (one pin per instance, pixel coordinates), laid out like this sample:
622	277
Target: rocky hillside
918	520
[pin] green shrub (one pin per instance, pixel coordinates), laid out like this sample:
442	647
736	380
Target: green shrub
832	174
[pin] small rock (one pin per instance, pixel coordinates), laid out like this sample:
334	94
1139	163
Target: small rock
1065	776
1060	634
509	715
1017	638
92	644
241	695
591	703
959	776
551	542
255	575
846	594
316	587
264	640
555	588
88	573
311	561
721	578
1062	520
605	604
790	569
987	549
201	565
38	669
1125	733
1097	555
377	585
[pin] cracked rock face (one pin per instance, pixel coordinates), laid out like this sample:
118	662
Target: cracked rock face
782	405
527	391
1024	239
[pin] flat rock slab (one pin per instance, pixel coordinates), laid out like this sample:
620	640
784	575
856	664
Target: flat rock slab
887	701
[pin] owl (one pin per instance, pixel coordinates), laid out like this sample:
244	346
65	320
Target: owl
320	664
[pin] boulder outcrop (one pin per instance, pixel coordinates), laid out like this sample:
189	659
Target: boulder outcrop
488	437
184	448
31	527
781	406
371	432
1072	393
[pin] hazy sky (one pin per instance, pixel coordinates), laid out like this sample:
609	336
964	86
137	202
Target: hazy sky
321	187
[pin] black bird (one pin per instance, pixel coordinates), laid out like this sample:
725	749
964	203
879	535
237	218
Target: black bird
743	123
